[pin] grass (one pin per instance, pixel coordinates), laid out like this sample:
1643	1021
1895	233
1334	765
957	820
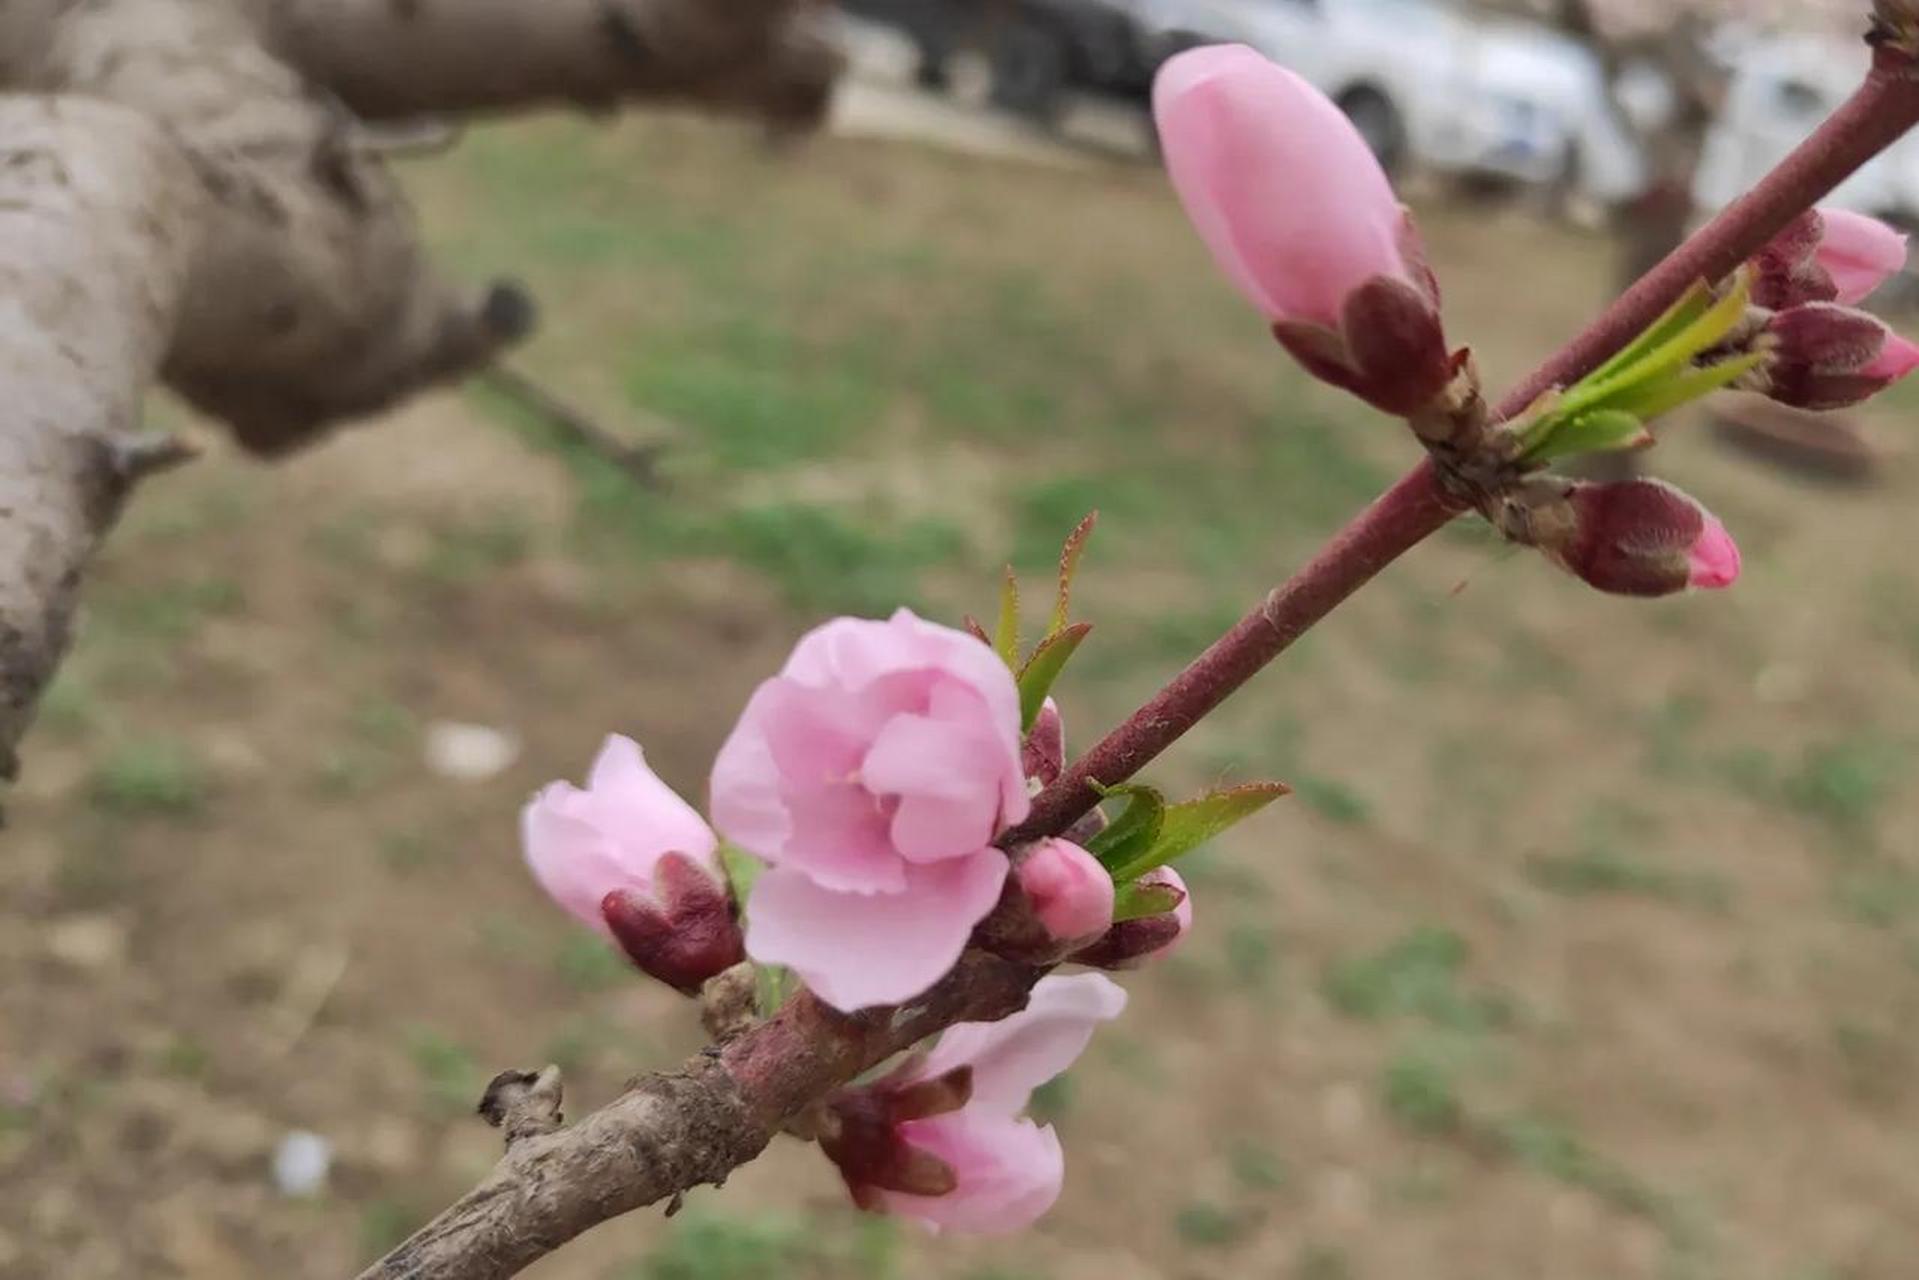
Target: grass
150	778
707	1246
1418	974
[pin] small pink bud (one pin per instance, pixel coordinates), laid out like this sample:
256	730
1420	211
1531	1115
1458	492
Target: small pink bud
684	933
1043	753
1070	891
1826	255
1825	356
1300	217
1131	943
1645	538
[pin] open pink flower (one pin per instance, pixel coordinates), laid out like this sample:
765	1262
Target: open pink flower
1071	892
873	773
1858	252
980	1166
584	844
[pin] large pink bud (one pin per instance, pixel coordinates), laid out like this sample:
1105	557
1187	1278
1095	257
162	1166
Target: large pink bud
1301	218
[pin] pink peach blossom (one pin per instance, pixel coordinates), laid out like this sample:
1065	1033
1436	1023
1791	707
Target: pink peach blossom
1278	182
872	774
1071	892
1007	1170
1858	252
582	845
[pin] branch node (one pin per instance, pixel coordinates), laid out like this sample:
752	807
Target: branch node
523	1104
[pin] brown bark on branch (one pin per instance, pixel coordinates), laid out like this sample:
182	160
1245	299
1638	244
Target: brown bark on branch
187	196
671	1132
388	58
97	227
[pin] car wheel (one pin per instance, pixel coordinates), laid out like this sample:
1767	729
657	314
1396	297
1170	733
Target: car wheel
1378	122
1029	72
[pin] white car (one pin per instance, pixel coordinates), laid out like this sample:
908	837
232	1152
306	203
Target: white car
1781	87
1430	84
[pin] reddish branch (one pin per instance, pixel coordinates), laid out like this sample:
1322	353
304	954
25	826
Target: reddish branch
671	1133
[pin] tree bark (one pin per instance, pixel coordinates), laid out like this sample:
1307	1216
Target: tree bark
190	194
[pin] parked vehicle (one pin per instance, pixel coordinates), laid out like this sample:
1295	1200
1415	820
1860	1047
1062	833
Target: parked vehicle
1429	84
1781	87
1038	51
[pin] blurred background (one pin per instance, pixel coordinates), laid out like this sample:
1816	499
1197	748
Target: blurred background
1589	946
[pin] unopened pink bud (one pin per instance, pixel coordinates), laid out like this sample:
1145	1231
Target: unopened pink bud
1825	356
1645	538
684	932
1826	255
1300	217
1071	893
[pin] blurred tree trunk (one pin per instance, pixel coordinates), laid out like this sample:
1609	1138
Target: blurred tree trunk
1654	222
193	192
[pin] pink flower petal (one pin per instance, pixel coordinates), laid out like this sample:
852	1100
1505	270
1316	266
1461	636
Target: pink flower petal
1016	1055
583	844
1009	1171
857	950
629	799
1895	360
1713	560
1277	181
1858	252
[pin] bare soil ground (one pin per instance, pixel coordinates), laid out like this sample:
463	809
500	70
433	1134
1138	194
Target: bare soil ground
1589	947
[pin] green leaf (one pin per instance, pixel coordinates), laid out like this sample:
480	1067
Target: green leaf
1598	431
1192	823
1692	304
1670	355
1006	634
1683	388
1042	669
1135	830
1069	557
1136	901
741	869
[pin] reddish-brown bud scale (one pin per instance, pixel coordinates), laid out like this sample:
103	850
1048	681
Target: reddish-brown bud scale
1043	753
861	1136
684	933
1128	944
